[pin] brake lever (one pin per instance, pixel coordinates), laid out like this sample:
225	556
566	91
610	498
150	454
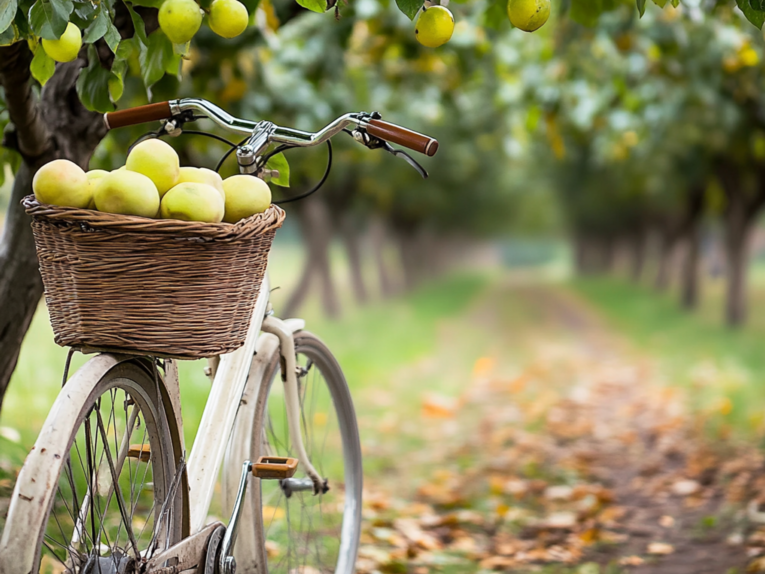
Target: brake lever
376	143
409	159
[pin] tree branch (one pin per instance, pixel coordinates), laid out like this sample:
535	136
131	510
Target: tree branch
31	136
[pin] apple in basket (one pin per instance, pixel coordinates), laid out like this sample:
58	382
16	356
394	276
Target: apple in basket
152	184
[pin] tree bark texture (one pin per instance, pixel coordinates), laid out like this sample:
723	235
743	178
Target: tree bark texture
57	126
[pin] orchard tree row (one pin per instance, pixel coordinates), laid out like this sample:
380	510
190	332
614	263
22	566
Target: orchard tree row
655	126
64	62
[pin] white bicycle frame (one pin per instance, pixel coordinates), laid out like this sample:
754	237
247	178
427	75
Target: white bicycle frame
36	482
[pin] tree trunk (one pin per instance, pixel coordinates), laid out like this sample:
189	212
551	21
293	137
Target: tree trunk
637	256
352	241
689	287
737	225
378	236
56	127
299	294
316	229
741	209
664	264
408	258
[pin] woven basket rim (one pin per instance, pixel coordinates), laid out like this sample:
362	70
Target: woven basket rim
257	224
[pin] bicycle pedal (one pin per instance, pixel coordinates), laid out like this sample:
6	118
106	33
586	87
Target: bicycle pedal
274	467
140	451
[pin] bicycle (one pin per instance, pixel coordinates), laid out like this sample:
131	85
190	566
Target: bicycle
107	487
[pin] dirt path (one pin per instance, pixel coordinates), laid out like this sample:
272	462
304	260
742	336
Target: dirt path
570	456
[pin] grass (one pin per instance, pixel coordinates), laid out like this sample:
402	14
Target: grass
723	369
371	343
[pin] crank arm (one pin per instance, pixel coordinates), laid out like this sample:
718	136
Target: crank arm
189	552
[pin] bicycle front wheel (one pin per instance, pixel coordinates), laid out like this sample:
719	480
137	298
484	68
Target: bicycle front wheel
117	501
299	532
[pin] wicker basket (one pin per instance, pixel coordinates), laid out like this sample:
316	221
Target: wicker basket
160	287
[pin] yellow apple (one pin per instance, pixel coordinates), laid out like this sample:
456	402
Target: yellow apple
156	160
128	193
202	175
62	182
192	201
66	48
93	176
246	195
228	18
180	20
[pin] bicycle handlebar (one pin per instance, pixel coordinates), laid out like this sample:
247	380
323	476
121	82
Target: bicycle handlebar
374	127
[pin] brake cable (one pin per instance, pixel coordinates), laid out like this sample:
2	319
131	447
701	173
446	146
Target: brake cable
318	185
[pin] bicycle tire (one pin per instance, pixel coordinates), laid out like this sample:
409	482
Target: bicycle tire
88	494
253	550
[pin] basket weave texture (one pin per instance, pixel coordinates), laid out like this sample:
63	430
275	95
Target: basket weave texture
160	287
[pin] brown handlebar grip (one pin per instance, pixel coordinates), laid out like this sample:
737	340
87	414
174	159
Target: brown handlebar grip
139	115
402	136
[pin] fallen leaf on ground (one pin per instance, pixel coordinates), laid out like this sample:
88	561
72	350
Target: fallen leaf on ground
660	548
631	561
666	521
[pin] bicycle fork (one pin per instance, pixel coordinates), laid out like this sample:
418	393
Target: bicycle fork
268	467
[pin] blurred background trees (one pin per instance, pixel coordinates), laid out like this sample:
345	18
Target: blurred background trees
632	139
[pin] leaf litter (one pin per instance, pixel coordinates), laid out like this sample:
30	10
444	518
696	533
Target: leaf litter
580	458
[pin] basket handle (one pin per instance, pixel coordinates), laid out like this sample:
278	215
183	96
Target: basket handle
138	115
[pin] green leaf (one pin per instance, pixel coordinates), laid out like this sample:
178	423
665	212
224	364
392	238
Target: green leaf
85	10
9	36
587	12
93	84
182	49
112	37
758	5
495	16
314	5
148	3
117	82
409	7
7	13
251	5
45	21
126	49
155	58
98	26
279	163
138	24
641	7
63	7
42	66
756	17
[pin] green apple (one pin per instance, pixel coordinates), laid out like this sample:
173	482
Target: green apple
180	20
62	182
192	201
66	48
246	195
128	193
156	160
228	18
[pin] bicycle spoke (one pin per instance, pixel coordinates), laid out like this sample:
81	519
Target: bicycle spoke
117	490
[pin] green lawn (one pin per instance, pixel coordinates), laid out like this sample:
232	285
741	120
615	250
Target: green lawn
723	368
